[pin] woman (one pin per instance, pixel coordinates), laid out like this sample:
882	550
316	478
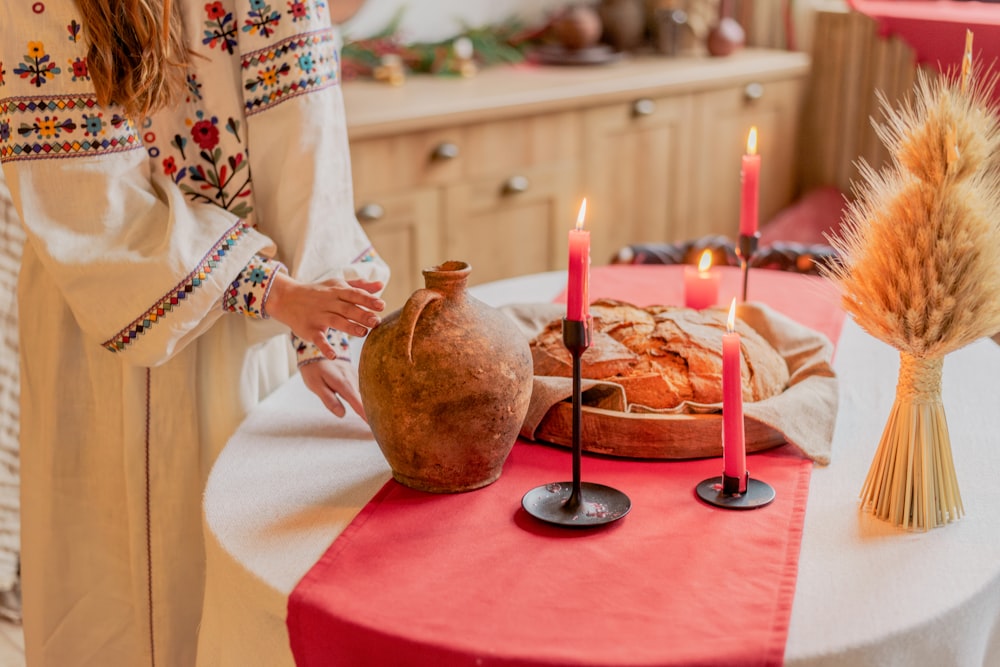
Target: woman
182	173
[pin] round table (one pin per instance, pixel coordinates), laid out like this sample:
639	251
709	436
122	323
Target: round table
293	477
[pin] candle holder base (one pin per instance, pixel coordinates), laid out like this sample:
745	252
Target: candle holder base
758	494
554	503
576	503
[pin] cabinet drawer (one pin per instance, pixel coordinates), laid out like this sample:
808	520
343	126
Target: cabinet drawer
442	157
520	143
389	164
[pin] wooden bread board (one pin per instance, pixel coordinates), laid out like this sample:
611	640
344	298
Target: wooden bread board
649	435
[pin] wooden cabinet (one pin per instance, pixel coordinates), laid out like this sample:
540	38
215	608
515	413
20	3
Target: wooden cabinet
491	170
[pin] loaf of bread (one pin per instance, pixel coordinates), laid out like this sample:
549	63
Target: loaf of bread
663	355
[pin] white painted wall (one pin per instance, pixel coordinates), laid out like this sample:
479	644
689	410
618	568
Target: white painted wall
433	20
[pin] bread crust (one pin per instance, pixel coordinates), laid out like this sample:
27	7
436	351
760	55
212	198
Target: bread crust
663	356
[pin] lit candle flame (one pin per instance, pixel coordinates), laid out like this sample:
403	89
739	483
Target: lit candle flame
752	141
731	321
967	60
580	216
705	263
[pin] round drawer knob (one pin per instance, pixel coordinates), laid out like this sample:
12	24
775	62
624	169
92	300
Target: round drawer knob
515	185
643	107
753	91
370	213
446	150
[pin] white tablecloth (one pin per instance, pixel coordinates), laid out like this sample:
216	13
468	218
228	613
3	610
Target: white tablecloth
868	594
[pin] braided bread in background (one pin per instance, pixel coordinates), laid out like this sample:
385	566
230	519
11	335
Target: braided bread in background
780	255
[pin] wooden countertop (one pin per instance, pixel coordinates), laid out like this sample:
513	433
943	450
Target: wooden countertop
426	102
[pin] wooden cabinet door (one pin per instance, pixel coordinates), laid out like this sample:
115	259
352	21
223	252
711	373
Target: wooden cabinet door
637	164
404	228
724	118
511	224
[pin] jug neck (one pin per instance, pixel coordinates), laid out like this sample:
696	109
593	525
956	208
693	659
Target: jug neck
448	277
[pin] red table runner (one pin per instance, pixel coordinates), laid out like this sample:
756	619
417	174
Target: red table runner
471	579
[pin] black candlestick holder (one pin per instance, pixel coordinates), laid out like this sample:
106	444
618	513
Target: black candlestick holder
745	251
576	504
725	492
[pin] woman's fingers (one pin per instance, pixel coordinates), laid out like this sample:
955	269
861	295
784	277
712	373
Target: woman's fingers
334	383
371	286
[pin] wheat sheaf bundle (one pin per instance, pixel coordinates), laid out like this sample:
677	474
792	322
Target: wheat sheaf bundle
920	272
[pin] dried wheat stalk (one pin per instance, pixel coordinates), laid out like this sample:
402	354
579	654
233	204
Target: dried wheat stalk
920	272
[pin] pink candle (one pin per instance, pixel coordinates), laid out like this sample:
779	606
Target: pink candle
750	176
734	455
578	292
701	285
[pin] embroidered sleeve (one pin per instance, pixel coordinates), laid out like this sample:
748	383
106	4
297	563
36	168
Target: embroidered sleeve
289	66
307	353
248	293
141	266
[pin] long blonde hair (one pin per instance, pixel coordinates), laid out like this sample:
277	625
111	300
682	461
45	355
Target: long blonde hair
137	58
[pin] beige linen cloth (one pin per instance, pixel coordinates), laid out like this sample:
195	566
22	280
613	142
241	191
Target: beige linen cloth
804	413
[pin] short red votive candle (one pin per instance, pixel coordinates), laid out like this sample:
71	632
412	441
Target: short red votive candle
701	283
578	287
734	454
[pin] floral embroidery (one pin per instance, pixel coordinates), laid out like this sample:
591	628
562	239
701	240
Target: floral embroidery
193	88
162	308
298	10
368	255
263	19
37	66
292	67
2	72
93	125
268	77
307	353
206	134
212	180
74	29
248	293
80	71
220	29
47	127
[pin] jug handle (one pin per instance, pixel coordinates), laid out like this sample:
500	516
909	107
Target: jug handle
411	313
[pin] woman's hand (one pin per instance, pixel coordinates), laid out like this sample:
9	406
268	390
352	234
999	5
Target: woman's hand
309	309
333	381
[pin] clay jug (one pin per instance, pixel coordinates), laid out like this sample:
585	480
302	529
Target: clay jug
445	382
